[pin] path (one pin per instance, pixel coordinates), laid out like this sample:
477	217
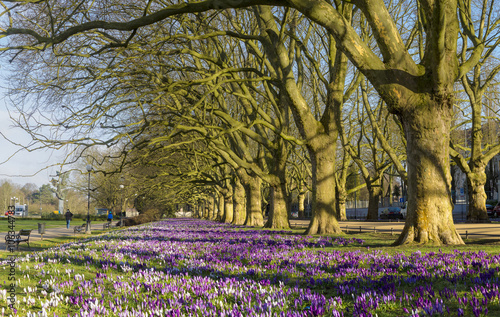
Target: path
466	230
50	233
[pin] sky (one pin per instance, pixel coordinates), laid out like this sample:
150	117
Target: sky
24	167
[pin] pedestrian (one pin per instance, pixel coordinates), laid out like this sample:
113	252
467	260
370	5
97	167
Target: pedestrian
110	217
68	216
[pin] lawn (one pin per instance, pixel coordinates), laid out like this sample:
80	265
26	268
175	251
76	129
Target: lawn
21	223
203	268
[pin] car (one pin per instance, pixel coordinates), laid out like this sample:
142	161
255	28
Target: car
495	211
391	213
295	214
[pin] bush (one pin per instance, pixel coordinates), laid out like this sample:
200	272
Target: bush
52	216
149	215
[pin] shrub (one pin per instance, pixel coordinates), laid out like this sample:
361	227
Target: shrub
148	215
52	216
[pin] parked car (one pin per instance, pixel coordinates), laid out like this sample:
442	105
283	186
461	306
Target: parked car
295	214
391	213
495	211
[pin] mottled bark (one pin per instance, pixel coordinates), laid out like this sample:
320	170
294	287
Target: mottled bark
211	208
323	183
477	196
430	207
301	199
239	202
220	207
278	211
341	196
374	193
254	202
228	209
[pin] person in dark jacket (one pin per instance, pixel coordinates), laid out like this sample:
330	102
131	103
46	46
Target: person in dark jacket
68	216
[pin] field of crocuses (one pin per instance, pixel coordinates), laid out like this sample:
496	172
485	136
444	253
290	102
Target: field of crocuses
202	268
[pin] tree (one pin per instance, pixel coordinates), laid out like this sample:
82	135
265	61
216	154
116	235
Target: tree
418	88
481	27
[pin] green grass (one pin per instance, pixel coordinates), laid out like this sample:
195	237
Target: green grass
21	223
373	241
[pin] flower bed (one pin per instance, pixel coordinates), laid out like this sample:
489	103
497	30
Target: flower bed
201	268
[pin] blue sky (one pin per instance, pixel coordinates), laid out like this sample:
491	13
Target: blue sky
24	167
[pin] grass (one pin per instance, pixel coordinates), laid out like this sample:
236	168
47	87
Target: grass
21	223
373	241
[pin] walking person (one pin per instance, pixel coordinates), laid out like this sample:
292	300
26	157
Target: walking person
68	216
110	217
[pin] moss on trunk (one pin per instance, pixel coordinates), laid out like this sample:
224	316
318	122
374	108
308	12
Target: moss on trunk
374	193
239	202
278	211
477	196
228	209
429	218
323	182
254	203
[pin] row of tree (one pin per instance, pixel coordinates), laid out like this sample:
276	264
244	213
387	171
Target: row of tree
197	100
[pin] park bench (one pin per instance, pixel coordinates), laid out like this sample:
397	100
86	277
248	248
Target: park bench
79	228
106	226
22	236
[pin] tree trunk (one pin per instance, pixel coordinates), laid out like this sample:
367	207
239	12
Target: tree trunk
322	155
341	196
254	203
239	209
374	193
430	207
477	196
211	208
301	198
220	207
228	209
278	211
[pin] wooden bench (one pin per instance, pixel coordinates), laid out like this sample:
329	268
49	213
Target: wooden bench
22	236
106	226
79	228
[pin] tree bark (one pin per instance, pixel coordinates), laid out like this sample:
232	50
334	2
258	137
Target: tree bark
341	196
254	202
322	155
301	199
477	196
374	193
429	218
220	205
211	208
239	199
278	211
228	209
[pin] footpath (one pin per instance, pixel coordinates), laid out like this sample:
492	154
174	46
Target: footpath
51	233
489	231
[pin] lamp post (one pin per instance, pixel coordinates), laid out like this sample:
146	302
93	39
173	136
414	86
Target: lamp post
121	204
87	228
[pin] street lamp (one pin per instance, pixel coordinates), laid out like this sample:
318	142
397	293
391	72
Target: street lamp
121	204
87	228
